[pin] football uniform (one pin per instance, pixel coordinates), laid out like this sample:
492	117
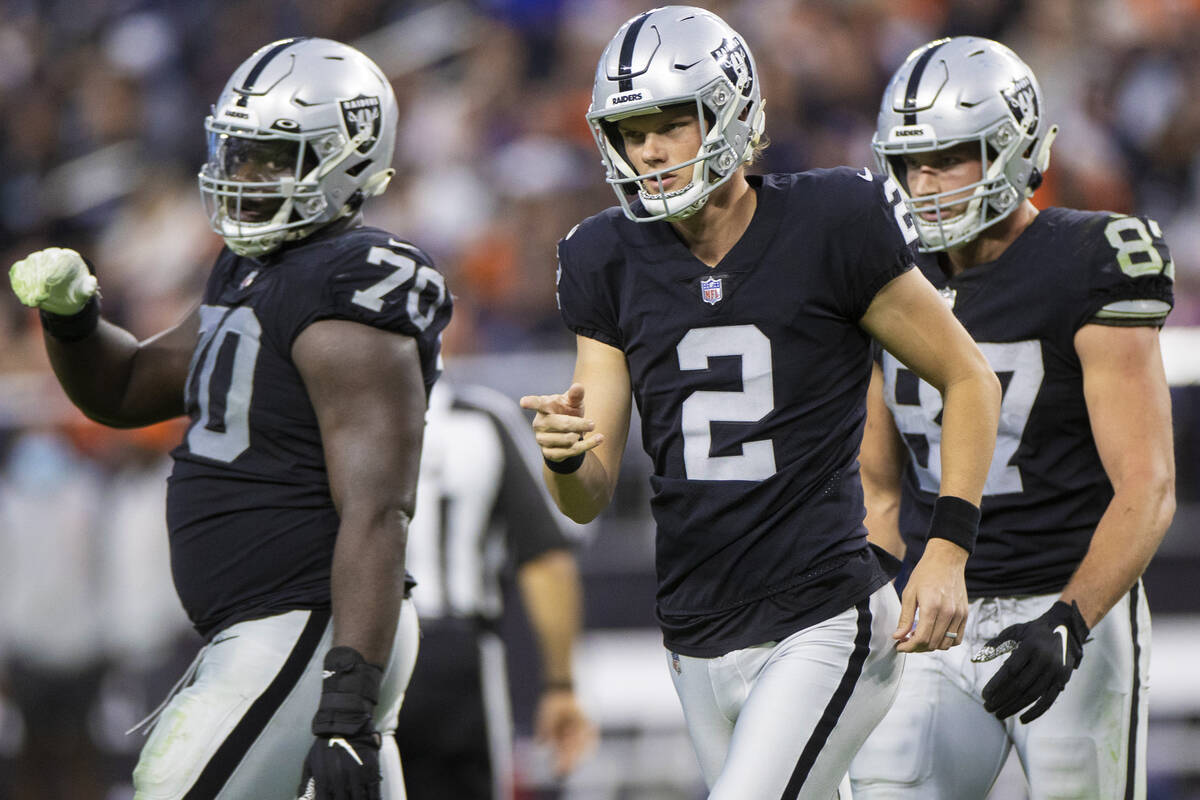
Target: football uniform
750	379
251	519
1045	493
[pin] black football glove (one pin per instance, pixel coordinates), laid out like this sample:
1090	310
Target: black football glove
1046	651
343	762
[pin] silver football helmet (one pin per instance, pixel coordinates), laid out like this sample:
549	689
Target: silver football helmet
667	56
301	135
965	89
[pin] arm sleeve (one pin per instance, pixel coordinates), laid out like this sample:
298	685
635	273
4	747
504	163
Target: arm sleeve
877	239
1132	274
584	291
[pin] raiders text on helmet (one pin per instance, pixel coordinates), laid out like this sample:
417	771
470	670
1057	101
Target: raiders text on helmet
302	134
667	56
965	89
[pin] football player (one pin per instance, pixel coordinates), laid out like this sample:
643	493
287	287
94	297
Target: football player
1066	306
305	371
737	312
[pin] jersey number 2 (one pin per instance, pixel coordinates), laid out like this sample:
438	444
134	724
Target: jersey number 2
752	403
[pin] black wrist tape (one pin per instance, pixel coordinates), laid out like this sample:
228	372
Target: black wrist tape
349	693
955	520
567	465
74	327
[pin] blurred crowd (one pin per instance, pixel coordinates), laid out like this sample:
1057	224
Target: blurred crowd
102	135
104	102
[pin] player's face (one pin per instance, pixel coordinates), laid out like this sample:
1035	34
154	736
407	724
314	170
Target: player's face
940	171
655	141
257	161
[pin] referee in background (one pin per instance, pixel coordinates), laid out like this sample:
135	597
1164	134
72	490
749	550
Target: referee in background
480	511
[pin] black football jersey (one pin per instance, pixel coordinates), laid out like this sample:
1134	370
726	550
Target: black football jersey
1046	489
750	379
251	520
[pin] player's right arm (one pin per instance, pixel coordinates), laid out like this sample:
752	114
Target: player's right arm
881	459
111	376
601	388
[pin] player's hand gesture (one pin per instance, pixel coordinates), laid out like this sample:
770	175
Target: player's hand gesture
1047	650
56	280
559	426
935	598
561	724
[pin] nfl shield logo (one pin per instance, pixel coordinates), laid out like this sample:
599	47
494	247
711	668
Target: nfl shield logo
949	295
710	290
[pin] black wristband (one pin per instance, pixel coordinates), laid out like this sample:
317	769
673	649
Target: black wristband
567	465
349	692
955	520
76	326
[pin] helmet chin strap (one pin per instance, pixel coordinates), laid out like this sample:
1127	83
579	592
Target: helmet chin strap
696	184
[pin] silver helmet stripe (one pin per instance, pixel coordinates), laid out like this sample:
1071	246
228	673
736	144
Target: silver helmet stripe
247	86
914	83
625	68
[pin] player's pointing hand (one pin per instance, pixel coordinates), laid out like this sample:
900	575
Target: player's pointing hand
560	427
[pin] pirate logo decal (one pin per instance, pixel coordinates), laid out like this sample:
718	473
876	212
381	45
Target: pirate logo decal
363	114
731	56
1022	101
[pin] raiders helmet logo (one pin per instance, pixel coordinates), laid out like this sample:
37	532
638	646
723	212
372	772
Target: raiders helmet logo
363	114
1022	101
731	56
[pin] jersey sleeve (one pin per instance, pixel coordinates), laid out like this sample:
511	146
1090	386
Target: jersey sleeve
584	292
388	284
876	236
1131	273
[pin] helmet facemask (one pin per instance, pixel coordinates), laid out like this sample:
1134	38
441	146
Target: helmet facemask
988	200
250	187
714	163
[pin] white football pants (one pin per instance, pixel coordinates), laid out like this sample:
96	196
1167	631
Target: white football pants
937	742
783	719
240	730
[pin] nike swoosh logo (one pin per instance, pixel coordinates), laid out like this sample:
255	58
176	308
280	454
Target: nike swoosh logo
688	66
866	175
342	743
224	639
1061	632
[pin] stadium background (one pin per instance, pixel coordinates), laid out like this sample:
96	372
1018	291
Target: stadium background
103	104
